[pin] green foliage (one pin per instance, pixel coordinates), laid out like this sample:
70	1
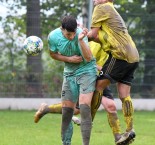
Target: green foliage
52	11
139	16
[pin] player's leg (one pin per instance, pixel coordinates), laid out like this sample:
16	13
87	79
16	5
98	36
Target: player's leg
87	86
121	71
68	135
97	96
128	110
44	109
66	124
77	109
95	103
124	88
110	107
75	119
54	108
86	120
69	96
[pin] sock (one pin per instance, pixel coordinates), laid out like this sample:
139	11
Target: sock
86	123
68	135
95	103
55	108
128	111
66	128
114	124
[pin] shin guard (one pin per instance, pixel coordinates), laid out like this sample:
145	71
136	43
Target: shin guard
114	124
55	108
128	111
95	103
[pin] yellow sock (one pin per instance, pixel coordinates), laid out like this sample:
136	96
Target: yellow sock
55	108
114	124
95	103
128	111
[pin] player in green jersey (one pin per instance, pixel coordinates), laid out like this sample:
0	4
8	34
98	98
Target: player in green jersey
107	99
69	44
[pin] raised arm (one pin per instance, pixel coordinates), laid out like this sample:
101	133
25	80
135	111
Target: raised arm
84	46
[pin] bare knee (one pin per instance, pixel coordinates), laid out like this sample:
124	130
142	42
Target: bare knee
123	90
109	105
69	104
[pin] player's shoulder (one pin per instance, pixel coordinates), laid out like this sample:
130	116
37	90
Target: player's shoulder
54	34
104	6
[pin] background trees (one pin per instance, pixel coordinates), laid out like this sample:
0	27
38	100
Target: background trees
41	76
34	64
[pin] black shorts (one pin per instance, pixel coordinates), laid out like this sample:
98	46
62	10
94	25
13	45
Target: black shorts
118	71
107	93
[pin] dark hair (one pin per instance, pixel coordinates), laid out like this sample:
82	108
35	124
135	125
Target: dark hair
69	23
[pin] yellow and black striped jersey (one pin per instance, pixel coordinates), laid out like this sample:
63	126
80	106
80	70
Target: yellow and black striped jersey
100	55
114	36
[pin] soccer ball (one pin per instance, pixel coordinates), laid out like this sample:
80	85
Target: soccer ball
33	45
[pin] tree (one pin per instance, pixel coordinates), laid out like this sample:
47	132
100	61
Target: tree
43	17
34	63
149	37
48	18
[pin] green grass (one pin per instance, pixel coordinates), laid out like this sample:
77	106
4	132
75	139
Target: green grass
18	128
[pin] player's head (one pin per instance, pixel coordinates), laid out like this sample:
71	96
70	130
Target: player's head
96	2
111	0
69	23
69	26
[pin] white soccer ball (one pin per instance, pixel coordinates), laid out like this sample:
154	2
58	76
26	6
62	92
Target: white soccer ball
33	45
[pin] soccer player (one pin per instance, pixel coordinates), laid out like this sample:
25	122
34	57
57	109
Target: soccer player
69	44
123	58
107	99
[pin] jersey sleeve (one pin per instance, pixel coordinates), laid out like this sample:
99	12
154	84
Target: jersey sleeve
99	15
52	42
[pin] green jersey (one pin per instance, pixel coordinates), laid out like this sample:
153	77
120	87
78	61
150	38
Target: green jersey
60	44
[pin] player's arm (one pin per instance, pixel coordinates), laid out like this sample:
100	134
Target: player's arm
93	34
70	59
84	46
57	56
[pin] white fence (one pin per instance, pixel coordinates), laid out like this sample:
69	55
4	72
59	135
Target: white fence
34	103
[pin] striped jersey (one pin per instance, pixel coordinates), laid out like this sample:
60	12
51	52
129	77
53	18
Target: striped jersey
114	35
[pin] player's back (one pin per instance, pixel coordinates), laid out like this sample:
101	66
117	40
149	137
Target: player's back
114	33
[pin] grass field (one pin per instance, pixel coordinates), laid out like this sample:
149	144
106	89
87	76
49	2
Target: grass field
18	128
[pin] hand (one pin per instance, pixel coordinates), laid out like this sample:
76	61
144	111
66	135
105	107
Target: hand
83	33
89	35
75	59
93	34
99	68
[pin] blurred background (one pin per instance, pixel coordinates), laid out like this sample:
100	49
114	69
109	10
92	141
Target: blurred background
23	76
